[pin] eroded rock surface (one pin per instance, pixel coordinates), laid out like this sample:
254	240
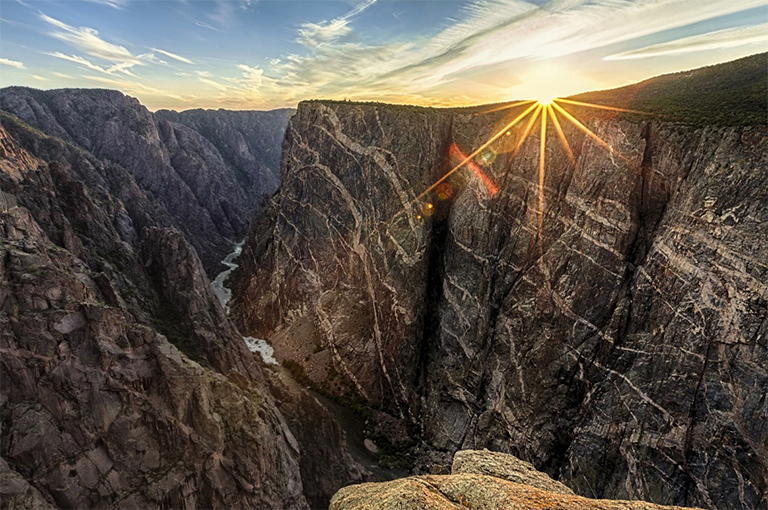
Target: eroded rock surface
479	480
620	348
506	467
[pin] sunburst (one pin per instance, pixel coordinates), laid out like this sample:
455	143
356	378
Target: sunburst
545	108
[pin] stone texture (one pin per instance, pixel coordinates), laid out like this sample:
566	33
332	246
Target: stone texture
506	467
462	491
98	408
623	351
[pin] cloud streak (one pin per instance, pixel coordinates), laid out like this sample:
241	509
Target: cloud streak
728	38
12	63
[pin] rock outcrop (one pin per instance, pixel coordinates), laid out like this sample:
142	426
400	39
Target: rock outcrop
620	345
208	189
506	482
506	467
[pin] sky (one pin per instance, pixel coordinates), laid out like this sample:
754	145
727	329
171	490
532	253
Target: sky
264	54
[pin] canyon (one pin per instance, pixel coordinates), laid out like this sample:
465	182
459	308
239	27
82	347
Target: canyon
610	332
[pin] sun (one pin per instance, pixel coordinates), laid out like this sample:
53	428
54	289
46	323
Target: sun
545	100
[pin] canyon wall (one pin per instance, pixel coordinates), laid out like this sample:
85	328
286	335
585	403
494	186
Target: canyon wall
204	187
123	383
619	345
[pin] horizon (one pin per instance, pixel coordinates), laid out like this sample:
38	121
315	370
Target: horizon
455	53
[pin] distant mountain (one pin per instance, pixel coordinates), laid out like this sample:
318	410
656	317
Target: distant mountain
730	94
209	188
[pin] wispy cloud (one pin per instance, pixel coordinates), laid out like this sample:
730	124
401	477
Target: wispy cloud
87	40
12	63
206	25
173	56
116	4
728	38
38	77
314	34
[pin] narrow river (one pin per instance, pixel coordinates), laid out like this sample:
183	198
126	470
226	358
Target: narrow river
224	294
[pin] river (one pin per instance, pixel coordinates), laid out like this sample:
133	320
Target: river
224	294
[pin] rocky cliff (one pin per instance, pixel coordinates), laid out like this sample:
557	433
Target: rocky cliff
207	183
122	380
620	345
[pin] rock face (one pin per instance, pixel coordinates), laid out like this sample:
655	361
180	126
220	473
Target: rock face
99	408
208	189
249	141
622	350
506	482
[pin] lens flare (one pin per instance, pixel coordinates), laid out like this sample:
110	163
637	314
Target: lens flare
490	186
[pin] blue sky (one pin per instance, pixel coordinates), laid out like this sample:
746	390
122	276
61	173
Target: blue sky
262	54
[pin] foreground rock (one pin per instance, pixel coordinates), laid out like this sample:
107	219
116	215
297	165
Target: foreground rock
507	467
463	491
478	480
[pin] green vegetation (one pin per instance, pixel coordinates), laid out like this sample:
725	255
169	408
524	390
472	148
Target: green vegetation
730	94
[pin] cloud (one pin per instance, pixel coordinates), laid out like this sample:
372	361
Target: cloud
79	60
62	75
314	34
38	77
173	56
87	40
132	87
206	25
12	63
728	38
116	4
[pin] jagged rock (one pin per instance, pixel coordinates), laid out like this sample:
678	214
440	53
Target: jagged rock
620	347
249	141
204	191
17	493
507	467
98	408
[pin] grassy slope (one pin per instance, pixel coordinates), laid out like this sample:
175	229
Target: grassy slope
734	94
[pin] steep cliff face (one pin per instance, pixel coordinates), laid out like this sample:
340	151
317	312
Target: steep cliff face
249	141
208	189
621	348
99	408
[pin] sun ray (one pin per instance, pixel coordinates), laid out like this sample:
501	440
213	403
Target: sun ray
508	106
599	106
542	157
460	165
526	132
561	135
588	132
